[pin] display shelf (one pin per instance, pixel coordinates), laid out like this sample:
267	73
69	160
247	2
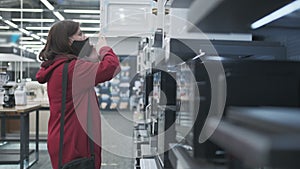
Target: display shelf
115	81
187	49
115	93
124	84
269	135
180	158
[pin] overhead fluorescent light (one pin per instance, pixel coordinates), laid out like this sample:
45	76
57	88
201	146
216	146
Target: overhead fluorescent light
25	38
81	11
35	36
90	16
51	8
42	34
48	5
10	33
30	42
32	20
37	28
86	21
10	23
20	10
43	40
4	27
287	9
24	31
58	15
89	29
33	46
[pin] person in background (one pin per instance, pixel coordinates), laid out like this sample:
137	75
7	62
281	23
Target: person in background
88	66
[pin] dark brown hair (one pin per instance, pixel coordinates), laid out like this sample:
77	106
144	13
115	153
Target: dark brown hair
58	40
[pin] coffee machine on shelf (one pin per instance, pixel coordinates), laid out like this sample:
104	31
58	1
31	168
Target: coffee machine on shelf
5	90
9	96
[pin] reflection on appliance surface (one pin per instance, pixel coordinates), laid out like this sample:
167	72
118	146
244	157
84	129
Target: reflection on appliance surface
248	83
164	107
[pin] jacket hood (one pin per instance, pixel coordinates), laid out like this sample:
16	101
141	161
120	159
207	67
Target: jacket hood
47	68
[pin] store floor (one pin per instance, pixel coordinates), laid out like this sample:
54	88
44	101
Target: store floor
117	143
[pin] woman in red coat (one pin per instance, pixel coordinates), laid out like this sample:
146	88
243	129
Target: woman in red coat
88	66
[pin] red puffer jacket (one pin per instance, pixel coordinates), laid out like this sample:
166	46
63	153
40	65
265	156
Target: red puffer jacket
82	77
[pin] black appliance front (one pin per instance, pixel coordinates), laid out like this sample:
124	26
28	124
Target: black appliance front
194	96
164	98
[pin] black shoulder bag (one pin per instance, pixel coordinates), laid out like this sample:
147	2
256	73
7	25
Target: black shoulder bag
80	163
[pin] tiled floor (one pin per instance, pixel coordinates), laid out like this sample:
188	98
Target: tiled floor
117	143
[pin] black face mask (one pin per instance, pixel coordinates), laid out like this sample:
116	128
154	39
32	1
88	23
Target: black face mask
81	48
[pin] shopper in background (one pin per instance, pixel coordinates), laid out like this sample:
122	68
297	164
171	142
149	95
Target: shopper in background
88	66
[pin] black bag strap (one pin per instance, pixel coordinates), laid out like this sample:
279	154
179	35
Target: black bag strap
63	108
90	131
62	117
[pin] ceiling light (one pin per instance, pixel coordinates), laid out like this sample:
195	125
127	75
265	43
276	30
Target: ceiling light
81	11
20	10
32	20
89	29
4	27
86	21
43	40
37	28
51	8
58	15
10	33
10	23
90	16
47	4
26	38
30	42
287	9
35	36
33	46
24	31
42	34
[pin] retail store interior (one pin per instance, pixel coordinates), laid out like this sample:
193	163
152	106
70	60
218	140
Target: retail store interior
204	84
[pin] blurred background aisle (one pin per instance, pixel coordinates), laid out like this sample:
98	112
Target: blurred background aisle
113	152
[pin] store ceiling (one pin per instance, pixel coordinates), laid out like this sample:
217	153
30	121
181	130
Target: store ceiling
84	11
10	24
